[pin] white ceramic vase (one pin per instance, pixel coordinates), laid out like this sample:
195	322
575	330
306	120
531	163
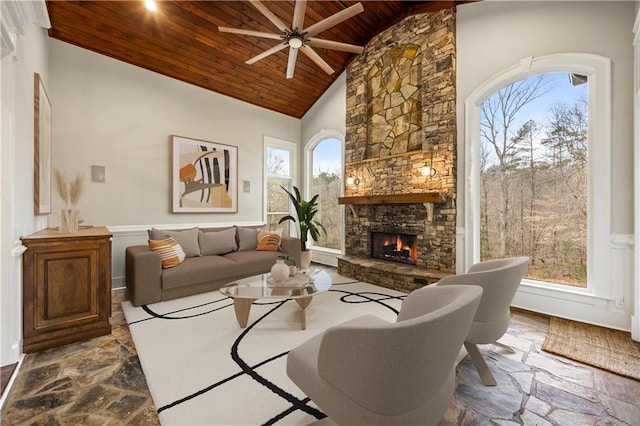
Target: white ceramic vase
280	271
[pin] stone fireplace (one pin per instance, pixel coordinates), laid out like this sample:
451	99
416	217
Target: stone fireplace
400	122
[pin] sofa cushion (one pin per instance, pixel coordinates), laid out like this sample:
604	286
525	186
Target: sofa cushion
217	242
269	240
247	238
252	261
200	270
171	254
188	239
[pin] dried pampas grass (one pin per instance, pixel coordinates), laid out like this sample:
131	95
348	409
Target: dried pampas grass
62	186
75	189
69	191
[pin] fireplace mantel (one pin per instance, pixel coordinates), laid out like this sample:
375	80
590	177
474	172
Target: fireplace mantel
426	198
413	198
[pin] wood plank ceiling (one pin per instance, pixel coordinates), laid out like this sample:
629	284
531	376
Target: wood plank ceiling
181	40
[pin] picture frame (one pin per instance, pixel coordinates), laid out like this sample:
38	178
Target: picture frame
42	148
204	176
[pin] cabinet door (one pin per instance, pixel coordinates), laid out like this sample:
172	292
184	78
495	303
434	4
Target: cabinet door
65	288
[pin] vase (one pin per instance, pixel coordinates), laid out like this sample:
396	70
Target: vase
68	221
280	271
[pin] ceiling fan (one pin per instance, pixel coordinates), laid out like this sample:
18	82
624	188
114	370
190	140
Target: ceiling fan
298	38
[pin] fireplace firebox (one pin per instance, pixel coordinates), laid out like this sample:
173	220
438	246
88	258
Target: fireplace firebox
395	247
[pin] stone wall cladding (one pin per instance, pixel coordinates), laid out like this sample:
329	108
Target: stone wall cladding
434	35
394	103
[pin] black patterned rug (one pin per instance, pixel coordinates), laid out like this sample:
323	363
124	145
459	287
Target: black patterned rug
202	368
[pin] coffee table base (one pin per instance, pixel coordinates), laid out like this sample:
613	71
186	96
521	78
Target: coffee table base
242	307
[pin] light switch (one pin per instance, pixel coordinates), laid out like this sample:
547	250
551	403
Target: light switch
246	186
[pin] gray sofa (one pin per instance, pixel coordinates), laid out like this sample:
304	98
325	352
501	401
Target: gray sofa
214	257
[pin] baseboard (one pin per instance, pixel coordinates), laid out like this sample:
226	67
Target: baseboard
118	282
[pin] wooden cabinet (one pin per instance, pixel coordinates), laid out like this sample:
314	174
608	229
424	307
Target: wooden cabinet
66	287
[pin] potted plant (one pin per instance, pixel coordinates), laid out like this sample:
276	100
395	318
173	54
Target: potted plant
307	225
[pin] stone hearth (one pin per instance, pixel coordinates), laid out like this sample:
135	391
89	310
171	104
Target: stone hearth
388	274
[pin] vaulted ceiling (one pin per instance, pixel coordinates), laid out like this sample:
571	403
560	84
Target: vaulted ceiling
181	40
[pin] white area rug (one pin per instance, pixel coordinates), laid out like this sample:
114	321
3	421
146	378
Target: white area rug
203	369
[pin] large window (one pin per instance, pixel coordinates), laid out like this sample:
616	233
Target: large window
326	179
280	173
538	183
533	176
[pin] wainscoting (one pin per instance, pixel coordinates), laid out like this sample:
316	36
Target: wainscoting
608	304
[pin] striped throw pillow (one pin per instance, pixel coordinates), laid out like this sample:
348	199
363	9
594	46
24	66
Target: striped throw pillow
171	253
269	240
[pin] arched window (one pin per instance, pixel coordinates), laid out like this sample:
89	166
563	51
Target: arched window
594	149
325	177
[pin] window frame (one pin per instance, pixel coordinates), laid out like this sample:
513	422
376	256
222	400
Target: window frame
292	148
310	146
598	70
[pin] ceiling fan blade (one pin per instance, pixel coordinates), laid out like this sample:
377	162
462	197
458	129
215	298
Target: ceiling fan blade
266	53
317	59
335	45
291	64
298	15
250	33
334	19
269	15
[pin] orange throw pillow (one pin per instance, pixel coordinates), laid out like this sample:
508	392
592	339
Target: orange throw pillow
268	240
171	253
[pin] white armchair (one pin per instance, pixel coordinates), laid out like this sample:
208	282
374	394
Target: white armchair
499	280
368	371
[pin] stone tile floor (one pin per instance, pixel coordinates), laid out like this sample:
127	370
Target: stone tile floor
95	382
100	382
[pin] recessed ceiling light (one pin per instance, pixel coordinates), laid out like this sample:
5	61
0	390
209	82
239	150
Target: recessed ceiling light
151	5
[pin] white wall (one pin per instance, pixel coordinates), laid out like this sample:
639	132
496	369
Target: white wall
109	113
493	36
16	168
329	112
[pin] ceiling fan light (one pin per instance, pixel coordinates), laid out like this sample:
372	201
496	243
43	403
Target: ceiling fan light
295	42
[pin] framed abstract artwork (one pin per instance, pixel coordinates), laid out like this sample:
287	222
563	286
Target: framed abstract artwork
42	148
205	176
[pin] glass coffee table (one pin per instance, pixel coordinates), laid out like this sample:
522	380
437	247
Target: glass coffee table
301	288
